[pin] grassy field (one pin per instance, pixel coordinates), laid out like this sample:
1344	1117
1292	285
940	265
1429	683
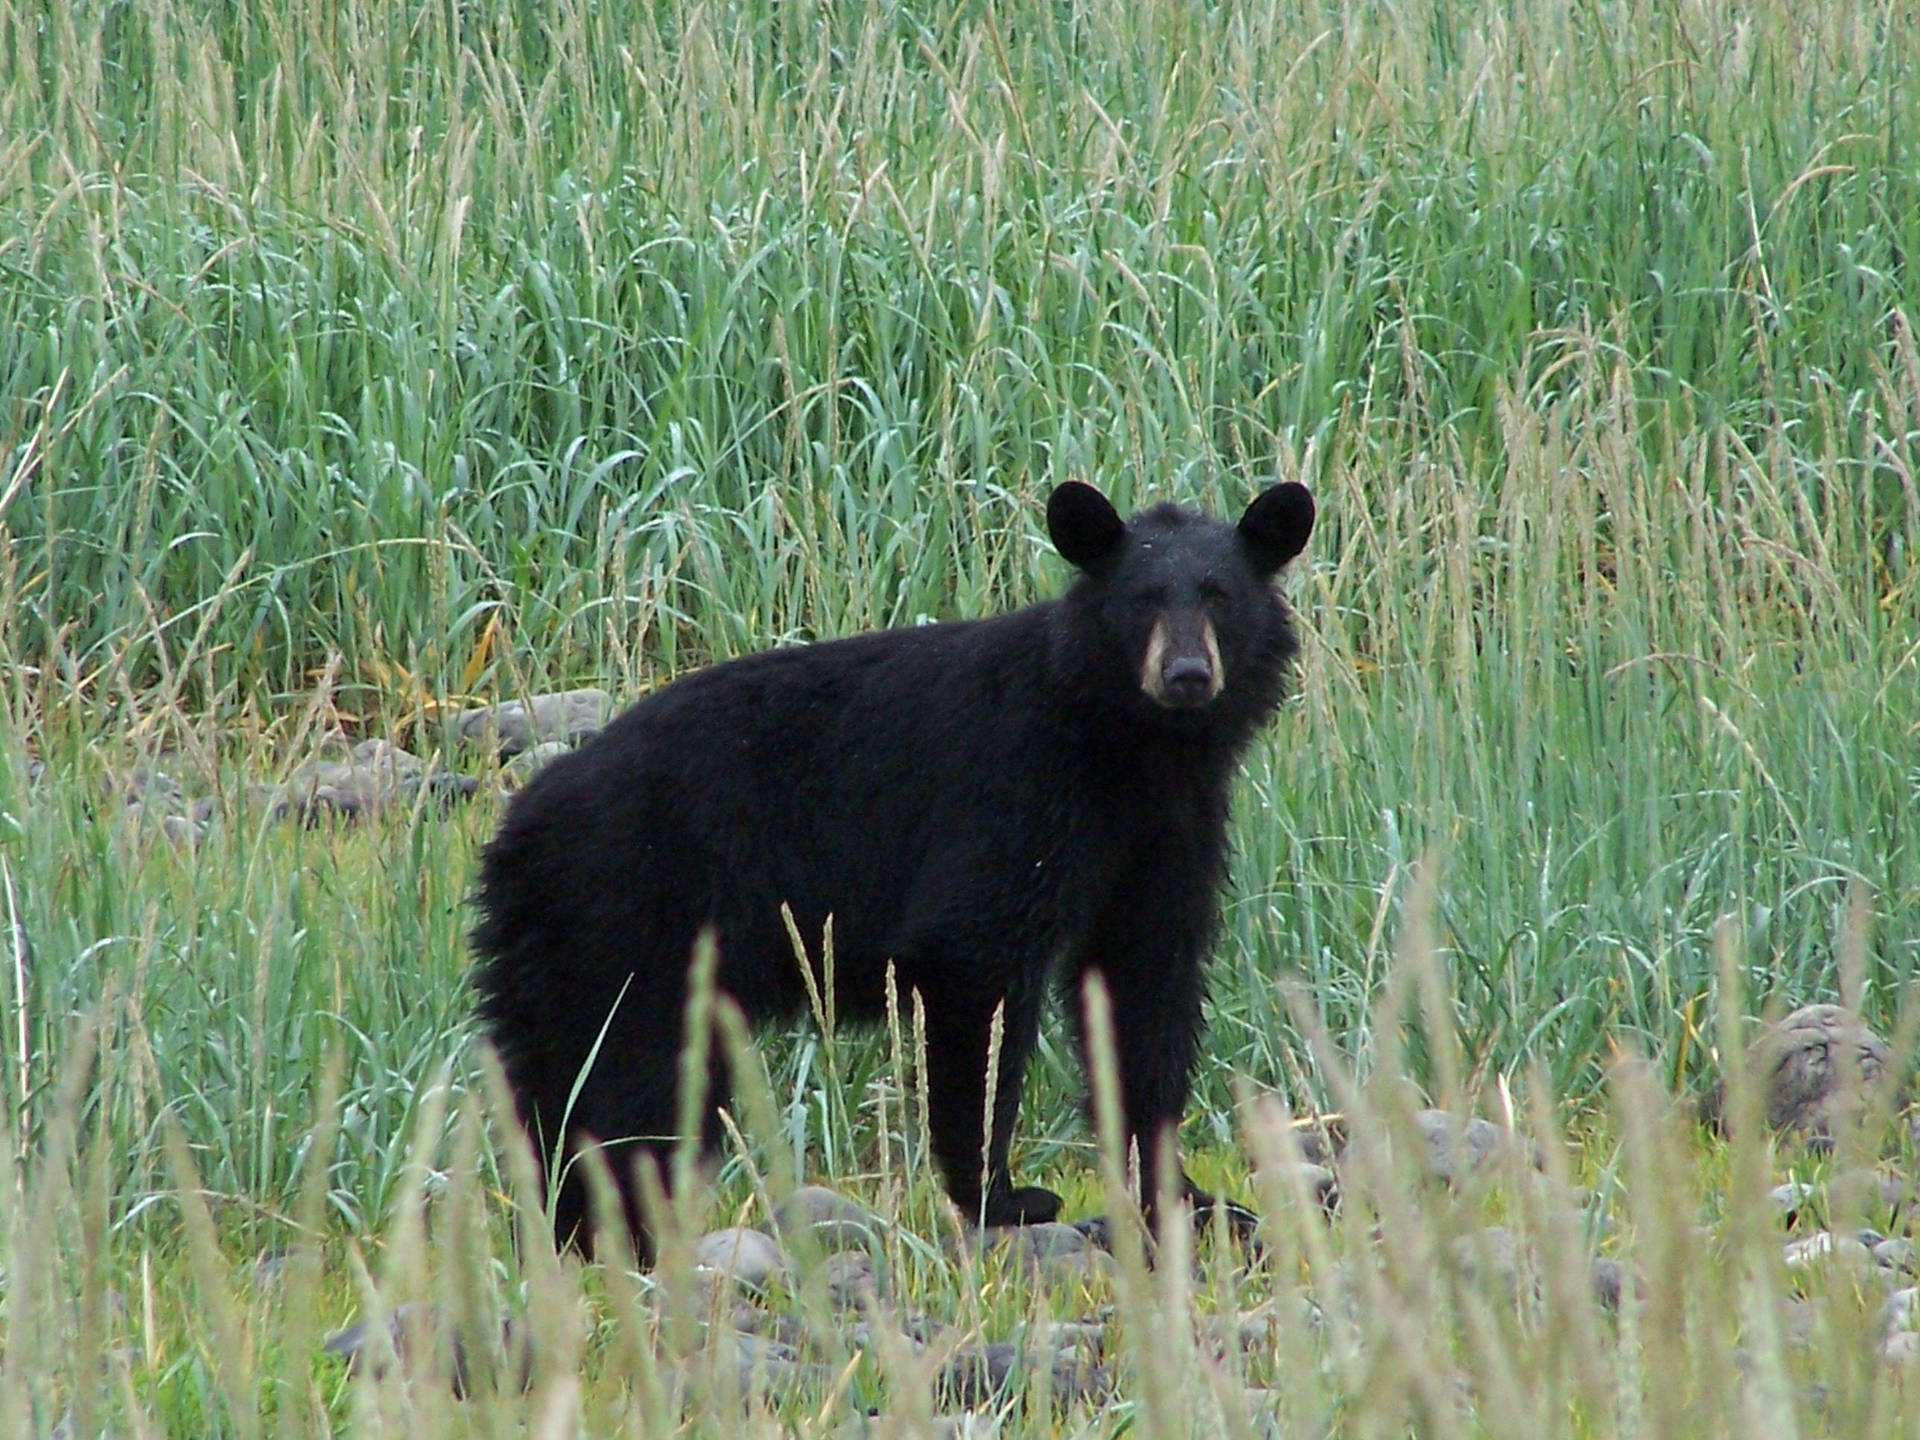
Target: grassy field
364	360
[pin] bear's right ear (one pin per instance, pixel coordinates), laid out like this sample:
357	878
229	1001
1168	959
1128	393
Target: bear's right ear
1277	524
1085	527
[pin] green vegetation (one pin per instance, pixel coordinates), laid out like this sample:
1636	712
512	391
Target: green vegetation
363	358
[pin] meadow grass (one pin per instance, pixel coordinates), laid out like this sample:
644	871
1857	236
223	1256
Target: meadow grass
365	359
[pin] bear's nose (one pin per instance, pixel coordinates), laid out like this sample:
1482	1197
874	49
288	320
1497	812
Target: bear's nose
1187	681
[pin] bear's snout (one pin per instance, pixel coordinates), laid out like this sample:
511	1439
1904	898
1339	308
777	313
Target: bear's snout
1182	669
1186	682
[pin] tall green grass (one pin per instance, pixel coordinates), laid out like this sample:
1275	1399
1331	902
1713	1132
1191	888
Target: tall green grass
718	324
360	359
490	350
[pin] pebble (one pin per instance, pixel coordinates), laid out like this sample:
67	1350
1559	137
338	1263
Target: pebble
754	1365
835	1222
751	1257
914	1328
1035	1244
524	766
1791	1198
568	717
1886	1196
1478	1141
965	1426
1088	1336
1321	1185
1264	1409
269	1269
1806	1063
149	789
418	1328
851	1280
1609	1282
979	1374
1051	1252
1800	1319
150	794
1320	1141
1099	1231
1898	1254
375	776
768	1324
1901	1308
1489	1257
1259	1330
1818	1247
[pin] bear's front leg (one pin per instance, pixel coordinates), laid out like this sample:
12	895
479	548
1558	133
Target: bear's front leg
959	1033
1148	951
1156	1027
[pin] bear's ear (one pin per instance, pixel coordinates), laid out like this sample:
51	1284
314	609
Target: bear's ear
1085	527
1276	525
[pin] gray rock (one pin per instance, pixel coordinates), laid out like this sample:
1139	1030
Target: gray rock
1477	1142
835	1222
965	1426
754	1365
1899	1255
1791	1198
852	1283
1808	1067
153	795
1609	1283
915	1329
1087	1336
375	776
1320	1140
1900	1347
147	789
524	766
1888	1197
269	1269
1800	1321
1577	1203
783	1328
1098	1230
1900	1310
1051	1253
1321	1184
1490	1258
1823	1247
569	716
386	759
979	1374
1260	1330
750	1257
1035	1244
1088	1267
1264	1409
417	1330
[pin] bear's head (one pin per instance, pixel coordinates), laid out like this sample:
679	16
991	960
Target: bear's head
1182	605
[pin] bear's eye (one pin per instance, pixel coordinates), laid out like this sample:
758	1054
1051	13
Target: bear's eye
1153	599
1212	591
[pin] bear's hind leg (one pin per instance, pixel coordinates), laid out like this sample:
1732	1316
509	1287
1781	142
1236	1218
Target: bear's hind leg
628	1108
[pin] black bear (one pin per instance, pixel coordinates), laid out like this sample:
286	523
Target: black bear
988	804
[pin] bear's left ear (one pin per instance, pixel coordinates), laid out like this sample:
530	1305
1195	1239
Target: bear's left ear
1276	525
1085	527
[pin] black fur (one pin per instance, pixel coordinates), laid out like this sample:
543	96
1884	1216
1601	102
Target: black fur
991	804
